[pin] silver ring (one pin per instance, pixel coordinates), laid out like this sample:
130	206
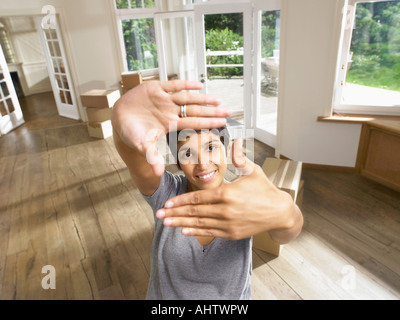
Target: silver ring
183	111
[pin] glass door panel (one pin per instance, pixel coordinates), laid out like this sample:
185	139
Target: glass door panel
266	73
224	60
224	51
176	45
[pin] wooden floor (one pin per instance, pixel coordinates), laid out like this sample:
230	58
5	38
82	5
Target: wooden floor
66	200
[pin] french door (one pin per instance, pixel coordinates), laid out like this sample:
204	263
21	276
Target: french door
234	89
57	67
10	110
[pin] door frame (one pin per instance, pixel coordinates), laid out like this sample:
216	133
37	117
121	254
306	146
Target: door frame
245	6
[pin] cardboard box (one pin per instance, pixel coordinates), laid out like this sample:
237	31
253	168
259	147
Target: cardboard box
130	80
286	175
98	114
100	98
100	130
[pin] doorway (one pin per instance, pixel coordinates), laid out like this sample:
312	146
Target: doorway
223	45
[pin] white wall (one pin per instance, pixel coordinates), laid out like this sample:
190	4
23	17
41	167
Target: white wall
311	33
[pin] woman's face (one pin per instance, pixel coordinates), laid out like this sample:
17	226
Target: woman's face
202	158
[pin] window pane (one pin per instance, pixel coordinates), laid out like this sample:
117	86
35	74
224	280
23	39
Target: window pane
136	4
3	110
140	44
4	87
10	105
57	51
149	3
55	65
270	44
122	4
374	62
62	96
68	96
58	79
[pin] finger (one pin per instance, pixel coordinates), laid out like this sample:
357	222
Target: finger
200	123
193	198
182	98
203	223
199	211
243	165
202	111
179	85
196	232
238	157
155	159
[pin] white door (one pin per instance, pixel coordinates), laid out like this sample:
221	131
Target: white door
10	110
232	59
57	67
175	40
266	28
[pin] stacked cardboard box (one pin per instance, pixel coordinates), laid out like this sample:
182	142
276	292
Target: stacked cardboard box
99	104
285	175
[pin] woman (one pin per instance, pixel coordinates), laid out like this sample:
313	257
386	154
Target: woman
201	260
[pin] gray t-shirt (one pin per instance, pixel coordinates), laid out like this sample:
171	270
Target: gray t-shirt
181	268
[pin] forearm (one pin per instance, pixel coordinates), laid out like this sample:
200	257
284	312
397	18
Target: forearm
290	228
139	169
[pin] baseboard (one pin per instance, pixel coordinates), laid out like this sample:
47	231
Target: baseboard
325	167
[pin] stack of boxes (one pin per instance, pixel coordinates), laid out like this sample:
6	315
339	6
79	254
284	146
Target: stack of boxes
99	104
285	175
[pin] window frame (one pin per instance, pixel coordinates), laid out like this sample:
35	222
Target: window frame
133	13
348	21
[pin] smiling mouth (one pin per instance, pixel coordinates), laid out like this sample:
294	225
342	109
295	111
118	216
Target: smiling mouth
207	177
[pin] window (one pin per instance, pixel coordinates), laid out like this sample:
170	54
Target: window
140	44
133	4
369	77
137	36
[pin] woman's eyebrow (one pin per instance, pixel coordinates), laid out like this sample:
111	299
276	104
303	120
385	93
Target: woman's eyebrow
213	140
183	148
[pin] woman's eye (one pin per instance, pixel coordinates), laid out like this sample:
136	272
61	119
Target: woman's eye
211	148
188	154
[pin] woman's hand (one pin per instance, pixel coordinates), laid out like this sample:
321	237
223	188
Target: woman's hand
249	205
150	110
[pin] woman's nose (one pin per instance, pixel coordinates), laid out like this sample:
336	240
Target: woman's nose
203	159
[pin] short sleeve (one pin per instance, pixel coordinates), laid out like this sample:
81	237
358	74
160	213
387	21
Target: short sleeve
170	186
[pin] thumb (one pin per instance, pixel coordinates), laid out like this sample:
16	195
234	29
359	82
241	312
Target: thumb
243	165
155	159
